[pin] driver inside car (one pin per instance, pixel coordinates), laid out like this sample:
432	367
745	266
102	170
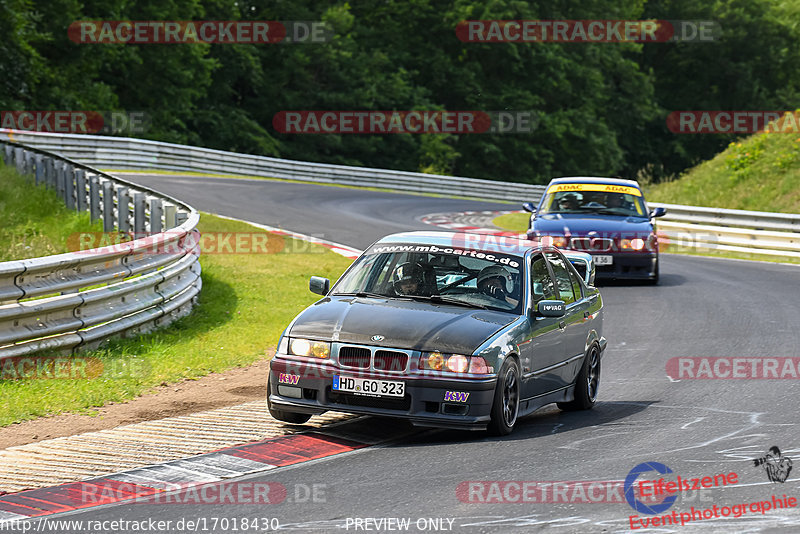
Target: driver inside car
497	282
568	202
408	279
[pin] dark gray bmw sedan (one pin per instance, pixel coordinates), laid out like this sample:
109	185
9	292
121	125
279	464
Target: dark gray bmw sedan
446	330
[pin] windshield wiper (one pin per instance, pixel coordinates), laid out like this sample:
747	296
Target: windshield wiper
446	300
363	294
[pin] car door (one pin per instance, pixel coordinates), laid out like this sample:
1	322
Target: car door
543	348
573	323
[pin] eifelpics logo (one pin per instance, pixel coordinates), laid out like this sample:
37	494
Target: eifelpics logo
775	464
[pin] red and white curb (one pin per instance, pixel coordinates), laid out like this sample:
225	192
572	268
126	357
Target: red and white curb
338	248
150	484
473	222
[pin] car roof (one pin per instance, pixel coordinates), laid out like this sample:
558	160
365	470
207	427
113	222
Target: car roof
593	180
488	242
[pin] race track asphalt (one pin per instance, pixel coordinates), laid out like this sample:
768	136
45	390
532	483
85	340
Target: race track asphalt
703	307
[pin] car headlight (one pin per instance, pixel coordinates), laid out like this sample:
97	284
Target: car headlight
631	244
558	241
455	363
312	349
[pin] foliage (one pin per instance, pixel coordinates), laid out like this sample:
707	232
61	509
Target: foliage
601	107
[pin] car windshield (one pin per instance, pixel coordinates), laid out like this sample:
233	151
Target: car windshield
594	202
466	277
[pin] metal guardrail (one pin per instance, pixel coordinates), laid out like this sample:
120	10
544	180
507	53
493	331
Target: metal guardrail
77	300
751	232
694	227
139	154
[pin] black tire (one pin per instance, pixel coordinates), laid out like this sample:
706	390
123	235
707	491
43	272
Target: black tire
282	415
587	383
505	407
654	280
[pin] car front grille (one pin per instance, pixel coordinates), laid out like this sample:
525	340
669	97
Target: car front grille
386	360
373	358
358	357
592	244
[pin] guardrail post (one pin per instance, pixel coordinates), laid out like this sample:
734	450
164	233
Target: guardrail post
26	165
170	216
155	216
18	159
39	162
123	209
80	189
60	179
139	217
94	197
50	173
7	154
69	186
108	206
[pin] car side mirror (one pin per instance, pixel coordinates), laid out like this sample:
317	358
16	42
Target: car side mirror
551	308
658	212
319	285
528	206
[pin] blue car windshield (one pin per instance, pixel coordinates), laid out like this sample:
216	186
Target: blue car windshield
479	279
594	202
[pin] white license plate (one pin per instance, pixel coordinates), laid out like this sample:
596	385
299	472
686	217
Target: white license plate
369	386
603	260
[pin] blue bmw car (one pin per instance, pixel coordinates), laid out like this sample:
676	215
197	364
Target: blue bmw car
605	217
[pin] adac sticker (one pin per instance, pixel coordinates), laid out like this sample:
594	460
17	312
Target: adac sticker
604	188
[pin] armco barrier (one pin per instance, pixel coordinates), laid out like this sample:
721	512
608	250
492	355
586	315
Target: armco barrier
127	153
79	299
754	232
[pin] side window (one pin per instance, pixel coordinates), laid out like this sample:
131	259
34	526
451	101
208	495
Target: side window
577	288
563	280
542	285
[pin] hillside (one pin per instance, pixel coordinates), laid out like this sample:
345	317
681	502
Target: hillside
762	173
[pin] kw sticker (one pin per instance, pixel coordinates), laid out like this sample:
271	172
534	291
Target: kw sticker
456	396
284	378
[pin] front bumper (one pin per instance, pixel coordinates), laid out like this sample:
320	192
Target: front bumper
424	402
629	265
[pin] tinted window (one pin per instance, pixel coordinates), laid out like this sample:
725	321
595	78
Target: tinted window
563	280
542	285
577	288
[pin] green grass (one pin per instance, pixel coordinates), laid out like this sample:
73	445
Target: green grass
514	222
33	220
761	173
246	302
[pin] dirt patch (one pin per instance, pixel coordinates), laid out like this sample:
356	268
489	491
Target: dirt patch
216	390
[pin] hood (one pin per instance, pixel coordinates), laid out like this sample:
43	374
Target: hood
581	225
404	324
